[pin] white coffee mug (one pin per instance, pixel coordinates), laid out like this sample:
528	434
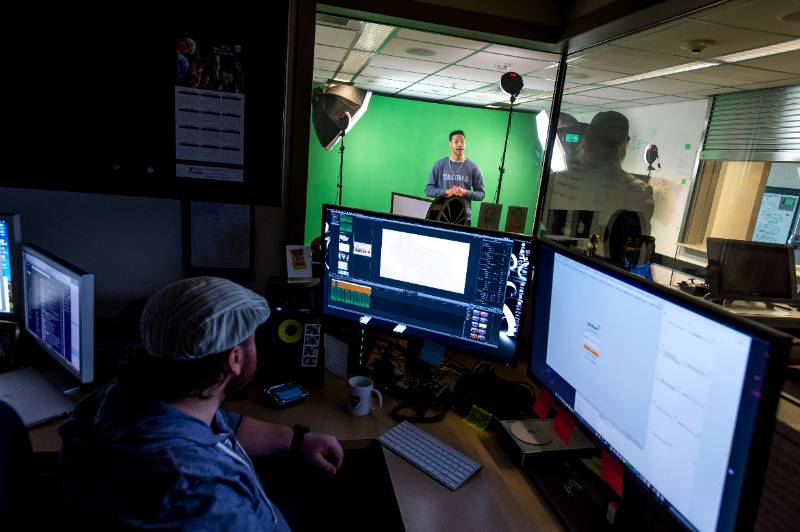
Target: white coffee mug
359	396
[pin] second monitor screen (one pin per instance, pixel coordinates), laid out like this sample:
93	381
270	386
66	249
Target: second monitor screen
456	285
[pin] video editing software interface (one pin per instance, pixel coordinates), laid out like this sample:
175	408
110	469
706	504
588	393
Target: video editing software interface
6	282
457	285
672	392
52	308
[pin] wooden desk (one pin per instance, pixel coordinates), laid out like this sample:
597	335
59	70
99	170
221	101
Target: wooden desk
498	497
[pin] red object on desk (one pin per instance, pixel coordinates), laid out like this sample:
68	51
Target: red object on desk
563	425
611	471
543	404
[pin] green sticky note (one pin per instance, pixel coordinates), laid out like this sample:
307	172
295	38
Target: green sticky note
683	181
478	418
687	146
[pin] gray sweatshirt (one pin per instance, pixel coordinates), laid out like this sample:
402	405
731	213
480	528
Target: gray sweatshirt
446	173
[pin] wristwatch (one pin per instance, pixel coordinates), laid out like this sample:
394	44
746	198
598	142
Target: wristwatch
297	439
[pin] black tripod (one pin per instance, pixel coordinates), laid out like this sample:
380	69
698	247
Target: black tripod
505	145
341	169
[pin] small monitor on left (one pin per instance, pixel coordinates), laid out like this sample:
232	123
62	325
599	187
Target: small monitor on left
59	310
10	282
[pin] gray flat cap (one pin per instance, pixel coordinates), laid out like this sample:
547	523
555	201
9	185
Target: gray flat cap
200	316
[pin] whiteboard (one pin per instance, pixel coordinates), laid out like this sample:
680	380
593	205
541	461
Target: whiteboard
410	205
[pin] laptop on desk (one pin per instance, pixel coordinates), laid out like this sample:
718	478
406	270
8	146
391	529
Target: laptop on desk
34	398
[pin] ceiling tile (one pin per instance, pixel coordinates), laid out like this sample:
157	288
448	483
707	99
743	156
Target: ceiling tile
333	36
541	84
441	54
523	52
618	59
421	95
380	82
325	74
435	89
388	73
479	96
324	64
587	76
795	80
762	16
503	63
669	86
443	81
436	38
667	39
330	53
787	62
472	74
580	98
729	75
376	89
661	100
705	93
613	93
401	63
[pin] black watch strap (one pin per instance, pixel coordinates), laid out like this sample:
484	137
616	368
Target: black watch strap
300	432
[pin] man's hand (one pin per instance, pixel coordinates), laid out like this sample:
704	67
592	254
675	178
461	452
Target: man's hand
456	191
323	451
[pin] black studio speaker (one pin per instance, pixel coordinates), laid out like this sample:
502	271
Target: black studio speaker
290	343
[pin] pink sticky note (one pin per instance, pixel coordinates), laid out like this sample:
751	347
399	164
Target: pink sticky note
543	404
563	426
611	471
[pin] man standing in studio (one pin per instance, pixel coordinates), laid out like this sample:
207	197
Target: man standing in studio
456	175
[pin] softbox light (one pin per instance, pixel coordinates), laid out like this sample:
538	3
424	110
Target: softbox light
327	106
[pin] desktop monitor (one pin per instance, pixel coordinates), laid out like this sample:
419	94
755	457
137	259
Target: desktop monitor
457	285
683	393
10	237
753	271
411	206
59	310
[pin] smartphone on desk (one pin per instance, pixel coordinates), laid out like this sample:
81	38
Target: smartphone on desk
287	394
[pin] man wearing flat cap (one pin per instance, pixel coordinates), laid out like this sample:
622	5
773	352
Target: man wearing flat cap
152	450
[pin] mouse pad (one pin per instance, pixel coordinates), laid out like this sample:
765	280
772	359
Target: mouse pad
359	497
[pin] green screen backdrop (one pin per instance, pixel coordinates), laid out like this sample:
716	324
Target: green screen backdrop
394	145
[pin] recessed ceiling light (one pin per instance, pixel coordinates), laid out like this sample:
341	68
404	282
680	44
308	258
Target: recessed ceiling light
420	52
373	36
505	67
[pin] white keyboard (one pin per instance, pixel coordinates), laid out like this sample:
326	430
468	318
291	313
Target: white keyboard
434	457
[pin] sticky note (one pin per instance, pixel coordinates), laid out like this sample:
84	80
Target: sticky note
432	353
563	426
543	404
611	471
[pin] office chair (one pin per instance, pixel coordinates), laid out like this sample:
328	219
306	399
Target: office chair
30	483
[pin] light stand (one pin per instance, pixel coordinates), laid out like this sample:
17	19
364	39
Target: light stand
344	122
511	83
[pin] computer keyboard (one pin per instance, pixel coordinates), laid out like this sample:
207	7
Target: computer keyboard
435	458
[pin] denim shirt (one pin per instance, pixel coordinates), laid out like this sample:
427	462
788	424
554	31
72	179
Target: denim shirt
141	464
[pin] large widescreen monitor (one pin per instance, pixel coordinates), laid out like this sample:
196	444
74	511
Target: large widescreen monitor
458	285
683	393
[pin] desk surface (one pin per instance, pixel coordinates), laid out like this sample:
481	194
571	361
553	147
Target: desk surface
498	497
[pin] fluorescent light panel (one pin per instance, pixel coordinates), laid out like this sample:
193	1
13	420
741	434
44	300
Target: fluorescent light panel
355	61
373	36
